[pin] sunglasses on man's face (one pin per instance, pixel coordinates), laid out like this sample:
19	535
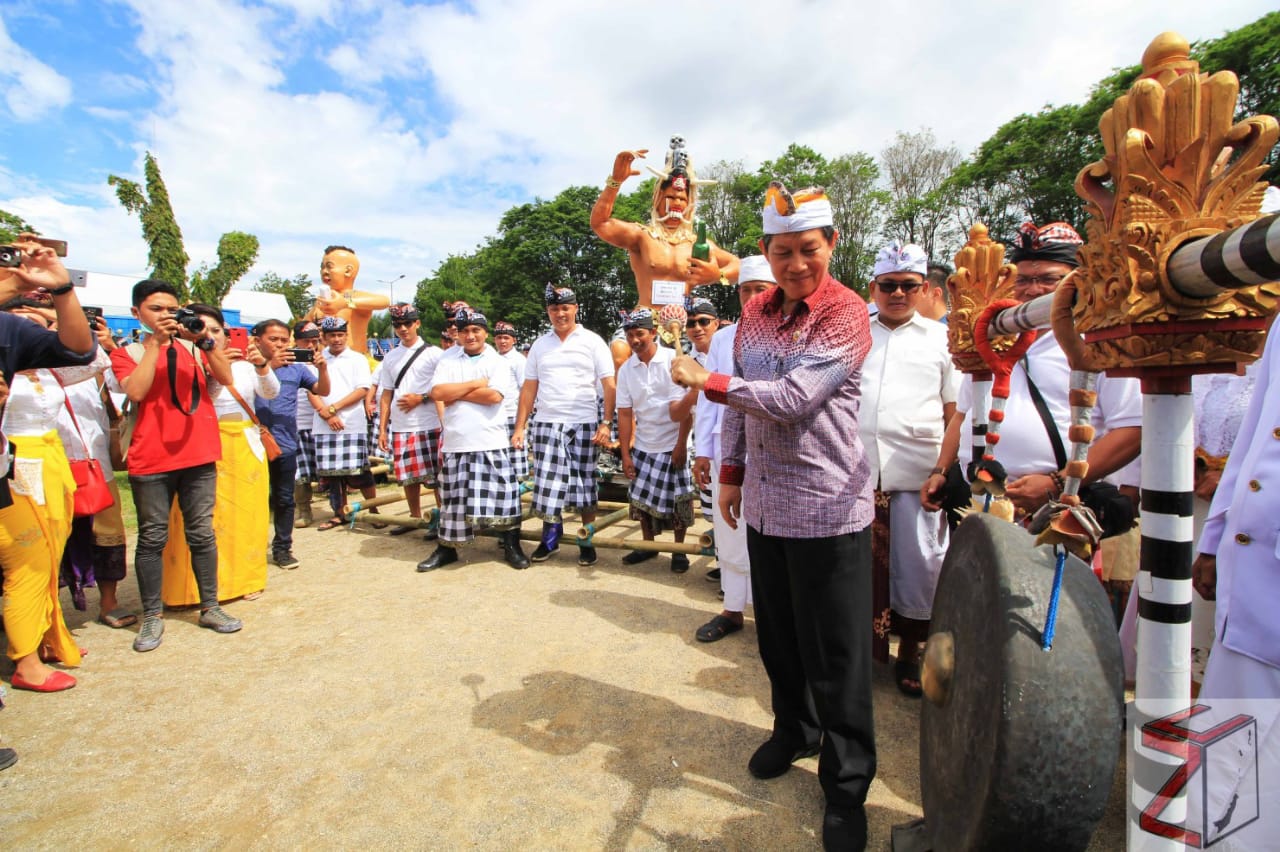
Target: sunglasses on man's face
907	287
702	321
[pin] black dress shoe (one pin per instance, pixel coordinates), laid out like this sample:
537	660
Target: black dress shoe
844	829
586	555
679	563
635	557
776	756
444	555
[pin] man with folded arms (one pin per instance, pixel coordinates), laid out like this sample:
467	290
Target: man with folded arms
478	486
795	472
661	490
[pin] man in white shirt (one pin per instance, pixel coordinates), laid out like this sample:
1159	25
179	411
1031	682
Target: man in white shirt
700	328
478	486
733	567
657	464
909	388
306	335
339	425
504	340
410	423
568	369
1044	256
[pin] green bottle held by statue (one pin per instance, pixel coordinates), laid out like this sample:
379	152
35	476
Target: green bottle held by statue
702	249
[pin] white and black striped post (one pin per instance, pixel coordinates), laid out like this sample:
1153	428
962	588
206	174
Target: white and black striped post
1242	257
981	411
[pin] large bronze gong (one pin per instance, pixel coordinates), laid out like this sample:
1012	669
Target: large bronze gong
1018	745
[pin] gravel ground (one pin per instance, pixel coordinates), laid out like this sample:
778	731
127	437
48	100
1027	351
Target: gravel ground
366	705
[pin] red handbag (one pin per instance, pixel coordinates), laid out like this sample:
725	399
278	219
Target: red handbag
92	494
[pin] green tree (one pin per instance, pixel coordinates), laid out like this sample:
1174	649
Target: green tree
551	242
456	279
11	225
237	251
916	169
858	208
1253	53
1027	169
296	291
166	255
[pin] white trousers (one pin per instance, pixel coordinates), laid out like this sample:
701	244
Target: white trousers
731	551
917	545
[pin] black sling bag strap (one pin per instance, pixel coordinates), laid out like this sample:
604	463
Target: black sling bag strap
1113	510
409	363
172	359
1042	408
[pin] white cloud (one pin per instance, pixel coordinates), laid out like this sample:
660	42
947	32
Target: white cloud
529	98
31	88
108	113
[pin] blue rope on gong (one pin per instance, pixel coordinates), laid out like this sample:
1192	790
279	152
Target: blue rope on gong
1051	620
986	503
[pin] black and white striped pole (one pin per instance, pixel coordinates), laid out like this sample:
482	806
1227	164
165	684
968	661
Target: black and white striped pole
1242	257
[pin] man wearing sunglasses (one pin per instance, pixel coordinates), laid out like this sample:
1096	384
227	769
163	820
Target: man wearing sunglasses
409	428
703	322
909	388
1044	256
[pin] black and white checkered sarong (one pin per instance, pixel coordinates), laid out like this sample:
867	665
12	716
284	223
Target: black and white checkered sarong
306	456
519	458
661	491
564	468
477	489
341	453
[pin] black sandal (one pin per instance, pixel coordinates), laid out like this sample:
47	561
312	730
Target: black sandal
716	629
904	673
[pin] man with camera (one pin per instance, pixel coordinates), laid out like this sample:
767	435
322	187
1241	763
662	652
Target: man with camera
170	378
280	415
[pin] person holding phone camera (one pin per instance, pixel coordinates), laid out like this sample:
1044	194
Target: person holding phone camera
307	344
280	415
238	520
173	450
36	489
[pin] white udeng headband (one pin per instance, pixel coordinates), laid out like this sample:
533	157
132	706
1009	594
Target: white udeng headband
896	257
755	268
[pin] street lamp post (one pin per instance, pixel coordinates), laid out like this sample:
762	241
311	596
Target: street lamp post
392	285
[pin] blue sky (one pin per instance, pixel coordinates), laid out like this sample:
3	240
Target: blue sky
406	129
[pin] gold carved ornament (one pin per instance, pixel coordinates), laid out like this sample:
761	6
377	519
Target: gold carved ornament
1179	168
981	277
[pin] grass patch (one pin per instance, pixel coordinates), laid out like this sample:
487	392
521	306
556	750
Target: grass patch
127	509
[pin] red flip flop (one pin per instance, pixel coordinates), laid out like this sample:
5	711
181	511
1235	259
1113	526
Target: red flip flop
55	682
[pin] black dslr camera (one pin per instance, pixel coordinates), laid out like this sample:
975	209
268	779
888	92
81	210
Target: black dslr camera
10	257
190	320
194	324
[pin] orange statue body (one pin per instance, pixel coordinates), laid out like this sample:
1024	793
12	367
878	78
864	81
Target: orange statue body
338	270
661	252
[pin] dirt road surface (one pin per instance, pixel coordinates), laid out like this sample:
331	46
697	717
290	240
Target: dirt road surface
365	705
